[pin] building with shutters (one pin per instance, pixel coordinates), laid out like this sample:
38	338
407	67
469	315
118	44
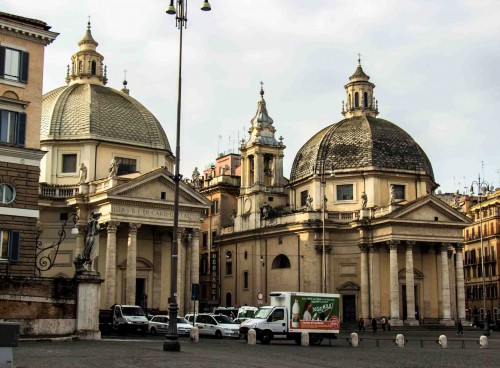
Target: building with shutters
22	47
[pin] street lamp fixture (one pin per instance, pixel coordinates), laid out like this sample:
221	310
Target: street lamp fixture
482	188
45	256
171	342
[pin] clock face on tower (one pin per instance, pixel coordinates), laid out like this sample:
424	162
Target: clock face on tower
247	205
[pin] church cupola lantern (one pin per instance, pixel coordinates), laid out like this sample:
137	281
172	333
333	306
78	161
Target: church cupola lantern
87	64
359	95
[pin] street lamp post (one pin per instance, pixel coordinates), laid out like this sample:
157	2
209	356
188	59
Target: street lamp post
171	342
482	189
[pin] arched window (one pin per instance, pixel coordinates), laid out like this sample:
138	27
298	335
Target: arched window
365	99
80	67
228	300
93	68
281	261
356	99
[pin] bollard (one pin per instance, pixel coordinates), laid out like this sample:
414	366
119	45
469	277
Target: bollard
443	342
304	339
354	341
252	337
400	341
483	341
194	334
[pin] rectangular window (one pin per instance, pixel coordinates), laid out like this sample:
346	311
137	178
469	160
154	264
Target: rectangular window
126	165
245	280
303	198
229	268
204	239
69	163
13	127
215	207
14	64
204	265
345	192
399	191
9	245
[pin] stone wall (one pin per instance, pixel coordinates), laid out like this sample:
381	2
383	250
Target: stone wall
43	306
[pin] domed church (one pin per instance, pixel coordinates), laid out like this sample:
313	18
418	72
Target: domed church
358	217
107	154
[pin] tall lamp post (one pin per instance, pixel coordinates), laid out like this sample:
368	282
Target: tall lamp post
171	342
482	188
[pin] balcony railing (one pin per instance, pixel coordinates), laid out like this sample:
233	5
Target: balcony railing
58	191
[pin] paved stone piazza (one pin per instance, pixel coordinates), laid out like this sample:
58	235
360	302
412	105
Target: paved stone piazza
135	351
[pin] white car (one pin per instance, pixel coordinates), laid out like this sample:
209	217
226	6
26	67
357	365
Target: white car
159	324
218	326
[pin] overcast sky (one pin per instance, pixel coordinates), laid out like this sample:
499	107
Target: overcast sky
435	64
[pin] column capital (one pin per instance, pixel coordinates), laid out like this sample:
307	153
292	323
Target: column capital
364	247
112	226
459	247
374	248
444	247
196	233
409	244
393	244
133	227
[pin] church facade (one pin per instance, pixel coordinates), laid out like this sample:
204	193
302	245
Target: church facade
108	155
358	217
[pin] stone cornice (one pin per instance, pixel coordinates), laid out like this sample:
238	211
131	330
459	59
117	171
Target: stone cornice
25	32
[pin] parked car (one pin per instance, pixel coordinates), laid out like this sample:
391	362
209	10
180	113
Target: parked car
159	324
230	312
122	319
216	325
244	313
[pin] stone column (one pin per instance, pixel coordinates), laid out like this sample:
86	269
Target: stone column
394	282
374	280
87	306
131	264
410	286
365	298
460	281
445	286
110	272
157	256
195	264
257	168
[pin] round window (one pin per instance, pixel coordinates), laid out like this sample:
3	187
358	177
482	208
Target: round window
7	193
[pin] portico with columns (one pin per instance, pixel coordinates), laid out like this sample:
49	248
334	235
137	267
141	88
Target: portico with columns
408	278
135	239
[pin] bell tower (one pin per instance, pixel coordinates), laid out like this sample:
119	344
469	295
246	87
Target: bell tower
87	64
359	95
262	181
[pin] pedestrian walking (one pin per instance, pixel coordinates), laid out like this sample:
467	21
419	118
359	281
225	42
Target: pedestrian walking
374	325
361	324
460	328
382	322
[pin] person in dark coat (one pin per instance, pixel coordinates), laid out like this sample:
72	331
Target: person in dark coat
460	328
374	325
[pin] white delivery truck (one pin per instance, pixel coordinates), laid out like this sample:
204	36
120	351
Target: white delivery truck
292	313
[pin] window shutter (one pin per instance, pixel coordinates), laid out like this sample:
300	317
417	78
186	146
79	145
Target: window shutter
21	132
2	62
25	61
14	244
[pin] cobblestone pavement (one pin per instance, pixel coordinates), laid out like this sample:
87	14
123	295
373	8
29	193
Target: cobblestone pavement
133	351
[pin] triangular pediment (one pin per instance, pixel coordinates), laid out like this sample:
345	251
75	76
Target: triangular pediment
429	209
349	285
157	185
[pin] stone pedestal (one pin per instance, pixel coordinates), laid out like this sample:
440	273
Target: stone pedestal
87	305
